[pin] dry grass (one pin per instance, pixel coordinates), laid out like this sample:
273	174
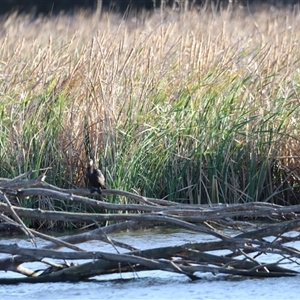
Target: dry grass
196	106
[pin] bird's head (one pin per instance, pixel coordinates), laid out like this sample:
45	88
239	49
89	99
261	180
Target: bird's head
90	162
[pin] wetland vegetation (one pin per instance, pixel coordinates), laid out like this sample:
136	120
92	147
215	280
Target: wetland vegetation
195	107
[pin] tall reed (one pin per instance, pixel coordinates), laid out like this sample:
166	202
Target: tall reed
195	107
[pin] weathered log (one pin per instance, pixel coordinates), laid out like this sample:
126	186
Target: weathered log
189	259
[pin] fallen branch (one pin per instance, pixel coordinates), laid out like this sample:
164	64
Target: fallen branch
189	259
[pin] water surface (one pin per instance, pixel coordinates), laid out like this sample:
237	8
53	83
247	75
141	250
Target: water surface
153	284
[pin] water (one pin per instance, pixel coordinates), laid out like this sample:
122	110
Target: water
153	284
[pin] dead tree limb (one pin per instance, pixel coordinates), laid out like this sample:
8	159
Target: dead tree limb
190	259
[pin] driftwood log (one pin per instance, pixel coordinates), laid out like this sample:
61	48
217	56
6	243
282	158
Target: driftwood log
260	228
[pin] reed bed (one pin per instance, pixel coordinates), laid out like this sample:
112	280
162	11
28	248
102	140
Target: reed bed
195	107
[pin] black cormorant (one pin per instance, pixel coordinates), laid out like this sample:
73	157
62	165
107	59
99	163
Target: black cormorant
95	177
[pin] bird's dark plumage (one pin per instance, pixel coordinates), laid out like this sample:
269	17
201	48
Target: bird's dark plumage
95	177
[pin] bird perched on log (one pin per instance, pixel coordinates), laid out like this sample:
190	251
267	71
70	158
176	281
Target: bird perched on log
95	177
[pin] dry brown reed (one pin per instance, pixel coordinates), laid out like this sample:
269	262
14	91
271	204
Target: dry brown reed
206	99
